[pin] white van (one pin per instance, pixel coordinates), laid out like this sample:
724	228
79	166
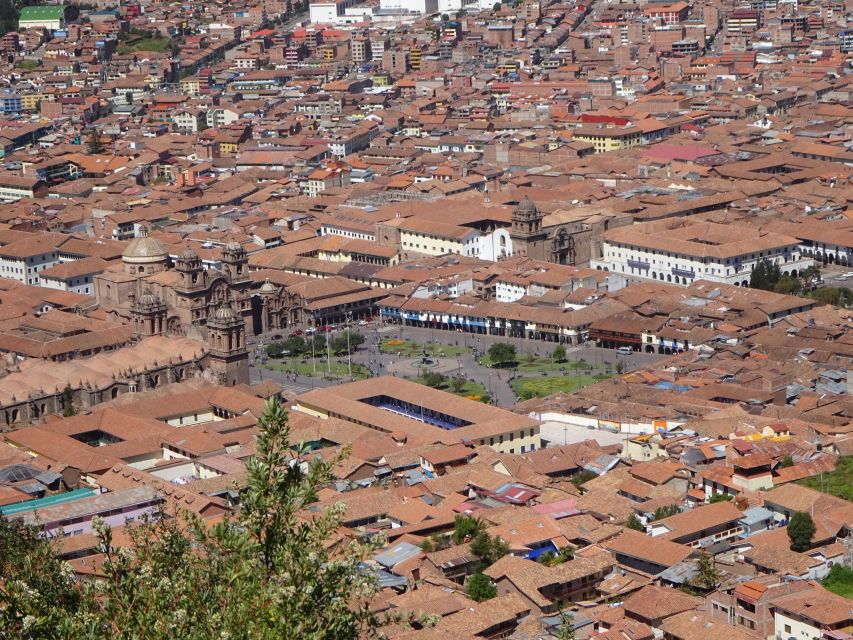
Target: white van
624	351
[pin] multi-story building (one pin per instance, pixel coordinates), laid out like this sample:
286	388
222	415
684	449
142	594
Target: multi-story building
14	187
697	251
77	276
668	13
24	260
360	49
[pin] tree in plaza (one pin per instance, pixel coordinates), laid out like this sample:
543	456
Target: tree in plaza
559	353
268	571
434	379
275	349
481	588
801	530
457	383
318	342
501	353
295	345
347	342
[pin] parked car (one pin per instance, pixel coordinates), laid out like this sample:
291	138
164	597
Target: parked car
624	351
295	334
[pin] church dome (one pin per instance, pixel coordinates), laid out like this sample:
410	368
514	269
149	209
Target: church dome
145	249
148	299
526	206
224	312
268	287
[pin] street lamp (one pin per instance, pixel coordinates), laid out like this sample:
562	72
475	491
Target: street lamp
313	340
349	351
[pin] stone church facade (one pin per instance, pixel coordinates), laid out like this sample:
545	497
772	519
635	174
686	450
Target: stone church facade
161	298
571	237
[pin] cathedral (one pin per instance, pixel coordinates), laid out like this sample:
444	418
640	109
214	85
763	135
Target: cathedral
183	299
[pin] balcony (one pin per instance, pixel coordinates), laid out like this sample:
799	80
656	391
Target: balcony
684	273
639	264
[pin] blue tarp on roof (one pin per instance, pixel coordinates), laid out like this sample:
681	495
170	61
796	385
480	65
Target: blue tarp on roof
680	388
533	554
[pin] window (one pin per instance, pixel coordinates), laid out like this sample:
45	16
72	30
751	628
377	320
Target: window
787	628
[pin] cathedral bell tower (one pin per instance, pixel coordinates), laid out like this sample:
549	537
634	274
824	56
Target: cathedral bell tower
235	262
528	237
226	336
148	315
190	272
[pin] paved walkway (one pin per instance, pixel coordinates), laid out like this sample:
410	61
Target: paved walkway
495	381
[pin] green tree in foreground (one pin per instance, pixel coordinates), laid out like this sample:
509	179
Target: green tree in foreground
567	626
481	588
271	571
801	530
634	523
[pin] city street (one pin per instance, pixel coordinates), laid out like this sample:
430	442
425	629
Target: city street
495	381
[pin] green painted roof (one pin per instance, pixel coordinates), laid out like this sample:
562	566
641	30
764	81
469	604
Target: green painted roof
42	12
47	501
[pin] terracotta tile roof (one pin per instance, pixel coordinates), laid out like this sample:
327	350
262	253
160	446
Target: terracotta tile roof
654	550
697	625
654	602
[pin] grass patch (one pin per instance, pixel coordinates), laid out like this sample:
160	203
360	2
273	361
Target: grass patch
838	483
539	387
471	390
157	45
530	363
305	368
412	349
29	65
840	581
